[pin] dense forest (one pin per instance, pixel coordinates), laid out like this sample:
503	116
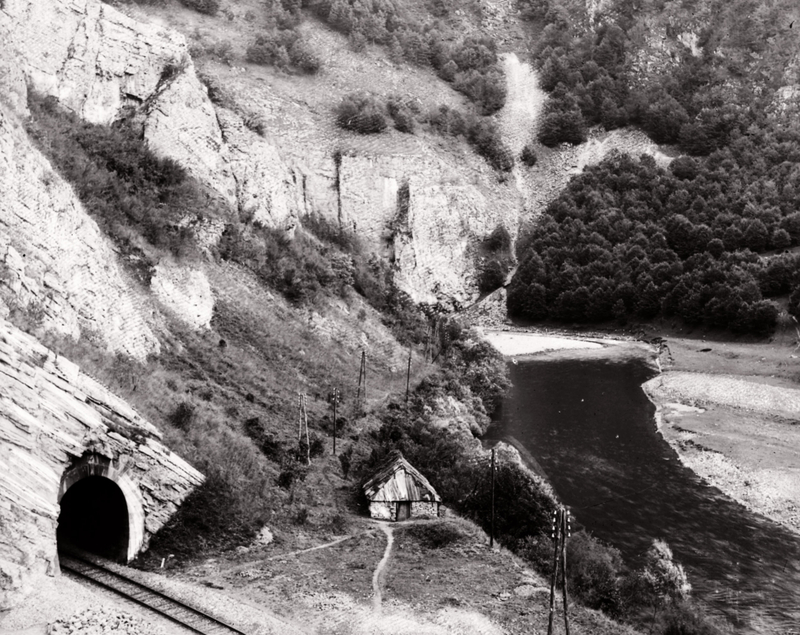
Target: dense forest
710	239
627	238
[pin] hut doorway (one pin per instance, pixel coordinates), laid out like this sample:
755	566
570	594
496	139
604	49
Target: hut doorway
403	510
94	517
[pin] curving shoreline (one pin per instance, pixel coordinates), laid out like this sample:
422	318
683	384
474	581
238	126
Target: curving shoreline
737	432
738	442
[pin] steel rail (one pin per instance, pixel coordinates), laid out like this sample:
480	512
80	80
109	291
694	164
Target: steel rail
167	606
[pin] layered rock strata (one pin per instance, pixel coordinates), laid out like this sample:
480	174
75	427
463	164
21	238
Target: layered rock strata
55	263
57	426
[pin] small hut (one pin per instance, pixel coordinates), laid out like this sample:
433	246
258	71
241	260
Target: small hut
398	492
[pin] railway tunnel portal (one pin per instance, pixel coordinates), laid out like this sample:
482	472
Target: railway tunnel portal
101	510
80	467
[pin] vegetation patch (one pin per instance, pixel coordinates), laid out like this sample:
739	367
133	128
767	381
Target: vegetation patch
126	188
628	239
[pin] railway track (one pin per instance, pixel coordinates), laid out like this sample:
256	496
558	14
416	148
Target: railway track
187	616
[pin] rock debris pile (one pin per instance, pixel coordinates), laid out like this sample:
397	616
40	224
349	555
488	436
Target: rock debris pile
102	621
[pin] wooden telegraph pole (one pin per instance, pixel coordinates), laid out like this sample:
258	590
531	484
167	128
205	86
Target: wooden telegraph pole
561	531
565	533
335	400
304	426
408	375
556	535
362	383
491	536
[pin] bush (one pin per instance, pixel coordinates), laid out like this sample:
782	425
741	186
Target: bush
209	7
595	571
361	113
528	156
486	89
263	440
304	58
484	136
122	184
493	274
449	121
401	114
183	415
562	127
292	471
436	535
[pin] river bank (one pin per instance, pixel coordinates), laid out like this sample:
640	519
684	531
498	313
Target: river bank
734	434
729	410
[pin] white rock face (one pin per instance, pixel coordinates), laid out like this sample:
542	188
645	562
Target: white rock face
54	419
54	259
267	191
421	214
184	291
181	124
92	57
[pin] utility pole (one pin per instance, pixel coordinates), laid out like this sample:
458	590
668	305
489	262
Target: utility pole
561	530
565	533
335	400
362	383
491	536
408	374
556	535
303	425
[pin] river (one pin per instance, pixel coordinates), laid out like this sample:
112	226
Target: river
591	428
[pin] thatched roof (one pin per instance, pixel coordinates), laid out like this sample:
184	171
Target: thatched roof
398	480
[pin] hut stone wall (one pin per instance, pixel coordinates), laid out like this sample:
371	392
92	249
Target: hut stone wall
424	509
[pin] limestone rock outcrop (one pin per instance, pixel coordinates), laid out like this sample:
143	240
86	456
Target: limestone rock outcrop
425	217
95	59
56	426
267	190
55	263
180	123
185	292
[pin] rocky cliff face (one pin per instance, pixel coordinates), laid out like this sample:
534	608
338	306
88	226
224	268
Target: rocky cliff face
92	57
57	425
55	263
423	215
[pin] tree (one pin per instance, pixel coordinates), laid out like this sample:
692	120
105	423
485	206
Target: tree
562	127
360	113
663	581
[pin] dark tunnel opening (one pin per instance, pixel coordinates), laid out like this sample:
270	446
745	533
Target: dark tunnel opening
94	517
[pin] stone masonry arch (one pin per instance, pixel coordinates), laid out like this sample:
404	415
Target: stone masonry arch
69	446
96	465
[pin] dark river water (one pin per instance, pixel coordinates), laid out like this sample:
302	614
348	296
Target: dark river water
591	428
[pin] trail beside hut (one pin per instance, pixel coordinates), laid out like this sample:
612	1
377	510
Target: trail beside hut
378	578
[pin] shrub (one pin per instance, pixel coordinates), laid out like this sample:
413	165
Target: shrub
484	136
346	460
449	121
436	535
562	127
183	415
401	114
263	440
304	58
209	7
595	570
360	113
487	89
122	184
493	274
291	472
528	156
